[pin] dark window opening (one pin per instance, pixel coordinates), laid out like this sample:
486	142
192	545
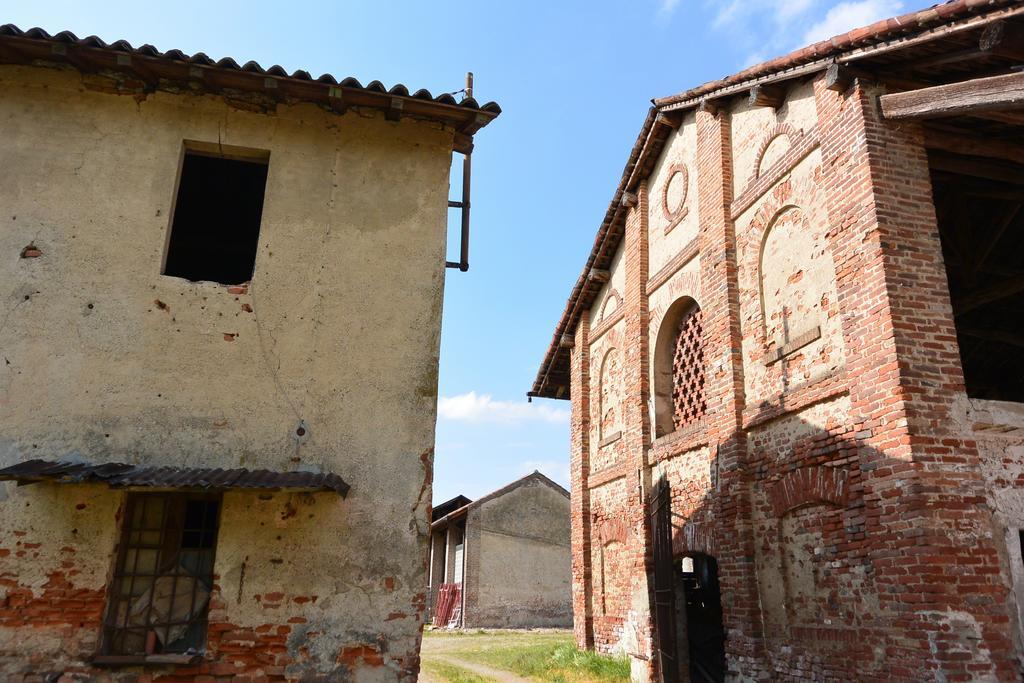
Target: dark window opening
978	205
217	213
163	577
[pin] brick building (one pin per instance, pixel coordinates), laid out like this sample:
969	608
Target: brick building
502	560
215	451
794	363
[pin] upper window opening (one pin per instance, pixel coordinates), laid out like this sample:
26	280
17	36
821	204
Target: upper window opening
979	206
679	369
216	225
163	576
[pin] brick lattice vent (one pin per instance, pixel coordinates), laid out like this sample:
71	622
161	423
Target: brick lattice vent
688	398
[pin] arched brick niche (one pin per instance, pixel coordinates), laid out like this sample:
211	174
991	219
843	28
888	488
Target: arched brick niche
790	285
773	148
796	278
679	371
611	567
610	395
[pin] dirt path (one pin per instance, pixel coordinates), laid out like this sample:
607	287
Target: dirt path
481	670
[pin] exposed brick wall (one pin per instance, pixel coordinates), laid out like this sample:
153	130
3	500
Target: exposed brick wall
51	618
833	478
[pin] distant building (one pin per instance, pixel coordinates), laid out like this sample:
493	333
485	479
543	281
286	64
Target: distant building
219	422
503	561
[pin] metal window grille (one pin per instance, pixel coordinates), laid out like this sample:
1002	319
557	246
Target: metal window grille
688	400
164	575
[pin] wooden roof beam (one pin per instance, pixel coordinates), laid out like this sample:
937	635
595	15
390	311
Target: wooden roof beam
981	95
977	168
1003	39
767	96
959	143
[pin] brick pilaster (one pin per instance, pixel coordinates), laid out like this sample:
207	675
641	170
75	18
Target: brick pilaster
579	464
933	559
636	415
730	501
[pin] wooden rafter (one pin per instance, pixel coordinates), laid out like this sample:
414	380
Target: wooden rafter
1000	290
995	233
960	143
994	335
977	168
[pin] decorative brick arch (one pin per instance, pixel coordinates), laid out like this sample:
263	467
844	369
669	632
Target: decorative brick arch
613	295
775	132
809	486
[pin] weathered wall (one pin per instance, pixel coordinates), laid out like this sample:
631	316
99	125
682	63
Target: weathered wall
998	428
108	360
518	562
863	516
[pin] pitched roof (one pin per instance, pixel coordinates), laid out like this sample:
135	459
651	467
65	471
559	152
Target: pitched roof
174	69
534	476
118	475
898	33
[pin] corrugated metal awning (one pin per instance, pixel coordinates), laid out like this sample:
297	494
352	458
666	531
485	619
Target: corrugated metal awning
117	474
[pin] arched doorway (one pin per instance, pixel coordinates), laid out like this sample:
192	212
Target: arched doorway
699	609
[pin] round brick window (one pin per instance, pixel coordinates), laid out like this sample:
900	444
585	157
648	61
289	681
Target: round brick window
673	194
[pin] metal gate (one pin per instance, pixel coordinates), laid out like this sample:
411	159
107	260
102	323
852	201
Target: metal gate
664	579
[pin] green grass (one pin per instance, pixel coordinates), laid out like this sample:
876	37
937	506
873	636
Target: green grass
451	673
556	661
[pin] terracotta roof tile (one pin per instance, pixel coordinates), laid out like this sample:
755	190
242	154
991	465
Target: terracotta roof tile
12	32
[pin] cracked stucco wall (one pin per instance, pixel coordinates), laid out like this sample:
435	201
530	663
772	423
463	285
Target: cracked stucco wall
105	359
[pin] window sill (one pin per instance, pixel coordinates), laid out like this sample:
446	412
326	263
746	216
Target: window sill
610	439
779	352
147	660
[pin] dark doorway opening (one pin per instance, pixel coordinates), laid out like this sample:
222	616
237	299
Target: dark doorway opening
701	607
217	212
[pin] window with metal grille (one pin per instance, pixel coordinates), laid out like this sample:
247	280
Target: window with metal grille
163	577
677	369
688	401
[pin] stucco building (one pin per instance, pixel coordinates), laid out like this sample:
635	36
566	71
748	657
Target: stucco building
794	363
503	560
212	401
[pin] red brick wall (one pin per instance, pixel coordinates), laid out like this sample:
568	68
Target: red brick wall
846	510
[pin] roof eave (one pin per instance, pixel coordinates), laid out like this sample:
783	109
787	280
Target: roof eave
153	70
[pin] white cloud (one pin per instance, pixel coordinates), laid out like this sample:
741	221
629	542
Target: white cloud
557	470
474	407
668	7
778	12
849	15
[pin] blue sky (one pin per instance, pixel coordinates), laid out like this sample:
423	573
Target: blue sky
574	79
